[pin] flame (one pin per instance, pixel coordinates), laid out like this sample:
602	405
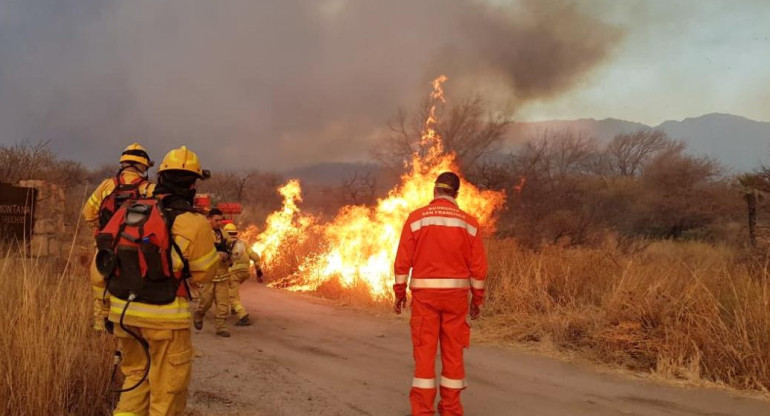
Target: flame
288	223
359	244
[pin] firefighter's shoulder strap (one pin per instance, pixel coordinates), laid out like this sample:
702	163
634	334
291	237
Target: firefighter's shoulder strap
173	206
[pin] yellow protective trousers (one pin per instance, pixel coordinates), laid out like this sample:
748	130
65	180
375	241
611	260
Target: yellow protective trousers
235	292
164	392
219	293
100	297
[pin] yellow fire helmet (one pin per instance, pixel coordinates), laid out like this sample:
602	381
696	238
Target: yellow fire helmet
185	160
136	153
231	229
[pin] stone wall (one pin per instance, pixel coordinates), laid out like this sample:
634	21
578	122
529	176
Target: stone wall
48	236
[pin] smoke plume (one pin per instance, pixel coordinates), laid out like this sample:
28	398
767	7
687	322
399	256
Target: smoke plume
269	85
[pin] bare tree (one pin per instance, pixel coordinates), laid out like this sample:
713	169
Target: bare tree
679	193
469	129
557	154
358	188
25	160
229	185
627	153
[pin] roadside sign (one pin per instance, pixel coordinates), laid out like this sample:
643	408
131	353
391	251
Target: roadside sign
17	207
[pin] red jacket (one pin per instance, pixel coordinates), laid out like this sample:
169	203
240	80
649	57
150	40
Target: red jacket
442	246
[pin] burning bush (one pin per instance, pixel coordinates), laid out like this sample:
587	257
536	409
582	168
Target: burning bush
357	245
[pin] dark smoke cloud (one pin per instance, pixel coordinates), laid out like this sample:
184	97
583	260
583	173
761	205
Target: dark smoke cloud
270	85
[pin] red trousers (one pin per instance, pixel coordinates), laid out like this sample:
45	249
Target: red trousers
438	315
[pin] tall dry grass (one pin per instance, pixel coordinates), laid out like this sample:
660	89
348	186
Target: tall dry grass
51	360
687	310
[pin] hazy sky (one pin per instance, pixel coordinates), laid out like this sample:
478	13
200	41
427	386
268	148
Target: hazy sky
678	59
276	85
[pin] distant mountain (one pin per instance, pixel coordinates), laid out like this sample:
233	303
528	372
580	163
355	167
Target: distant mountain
604	130
332	173
739	143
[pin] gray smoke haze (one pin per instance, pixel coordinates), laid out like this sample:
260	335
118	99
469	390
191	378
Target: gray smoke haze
270	85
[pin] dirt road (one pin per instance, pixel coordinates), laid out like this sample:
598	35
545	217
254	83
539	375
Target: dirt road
305	357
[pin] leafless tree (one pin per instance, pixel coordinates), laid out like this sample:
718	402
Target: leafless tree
469	129
627	153
25	160
557	154
229	185
358	188
680	192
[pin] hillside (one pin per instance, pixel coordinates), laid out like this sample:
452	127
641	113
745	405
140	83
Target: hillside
740	143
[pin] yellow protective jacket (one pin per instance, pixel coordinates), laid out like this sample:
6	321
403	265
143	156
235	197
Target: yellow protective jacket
192	233
91	208
243	256
222	273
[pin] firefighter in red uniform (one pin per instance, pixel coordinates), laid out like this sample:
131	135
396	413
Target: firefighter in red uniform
442	246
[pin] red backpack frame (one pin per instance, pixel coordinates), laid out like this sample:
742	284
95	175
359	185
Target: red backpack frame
135	250
121	193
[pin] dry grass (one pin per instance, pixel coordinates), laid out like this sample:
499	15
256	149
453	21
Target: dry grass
684	310
51	360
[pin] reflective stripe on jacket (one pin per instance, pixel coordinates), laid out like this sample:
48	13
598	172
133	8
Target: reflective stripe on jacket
442	247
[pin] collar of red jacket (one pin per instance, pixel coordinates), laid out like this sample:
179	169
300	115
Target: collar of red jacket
439	199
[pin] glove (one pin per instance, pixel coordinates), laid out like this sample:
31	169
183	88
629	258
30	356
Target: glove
400	290
259	275
475	311
477	299
477	296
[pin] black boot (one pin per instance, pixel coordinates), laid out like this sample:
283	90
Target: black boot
245	321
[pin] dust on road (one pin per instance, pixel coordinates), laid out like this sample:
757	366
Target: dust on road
304	356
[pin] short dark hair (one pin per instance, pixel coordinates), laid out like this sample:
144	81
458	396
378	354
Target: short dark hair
449	182
215	211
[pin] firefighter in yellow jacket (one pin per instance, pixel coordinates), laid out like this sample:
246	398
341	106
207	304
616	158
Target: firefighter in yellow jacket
165	329
218	290
132	175
239	272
